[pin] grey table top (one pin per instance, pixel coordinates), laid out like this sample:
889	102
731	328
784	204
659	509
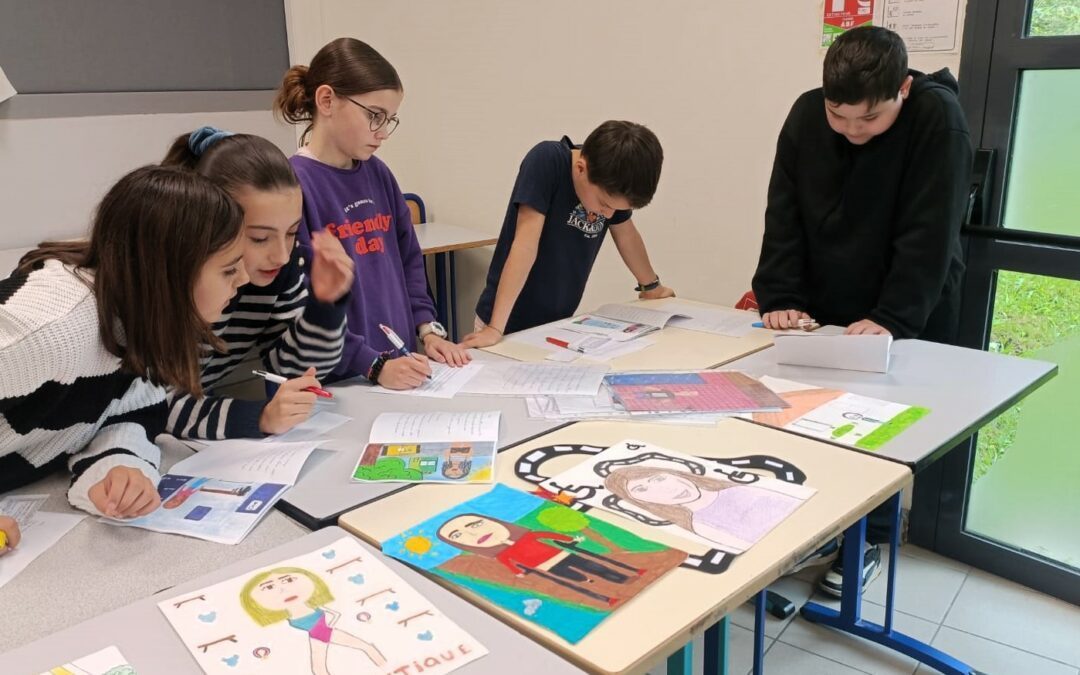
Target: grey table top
98	567
963	388
147	639
325	490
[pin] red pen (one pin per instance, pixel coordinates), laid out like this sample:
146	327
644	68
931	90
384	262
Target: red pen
558	343
278	379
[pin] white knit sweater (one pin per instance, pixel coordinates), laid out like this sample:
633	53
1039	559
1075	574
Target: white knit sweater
62	394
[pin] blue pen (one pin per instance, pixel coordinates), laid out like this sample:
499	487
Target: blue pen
757	324
396	340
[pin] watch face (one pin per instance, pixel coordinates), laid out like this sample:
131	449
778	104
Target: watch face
438	329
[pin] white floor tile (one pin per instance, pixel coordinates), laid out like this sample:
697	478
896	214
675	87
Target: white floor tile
918	552
993	657
856	652
924	588
1005	612
784	659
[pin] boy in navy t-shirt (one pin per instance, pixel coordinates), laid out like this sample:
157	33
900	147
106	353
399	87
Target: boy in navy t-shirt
565	200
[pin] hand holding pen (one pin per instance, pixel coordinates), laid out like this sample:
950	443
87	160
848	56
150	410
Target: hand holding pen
292	402
409	370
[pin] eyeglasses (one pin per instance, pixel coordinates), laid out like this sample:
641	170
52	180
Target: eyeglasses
378	118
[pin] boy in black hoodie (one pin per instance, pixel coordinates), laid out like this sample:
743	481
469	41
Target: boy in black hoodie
868	190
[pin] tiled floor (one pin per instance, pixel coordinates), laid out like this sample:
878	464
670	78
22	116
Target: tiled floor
994	625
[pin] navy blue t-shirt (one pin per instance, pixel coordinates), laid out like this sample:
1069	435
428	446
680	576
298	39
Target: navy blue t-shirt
569	241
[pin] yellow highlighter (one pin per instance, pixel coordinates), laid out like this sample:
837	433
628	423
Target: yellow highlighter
3	540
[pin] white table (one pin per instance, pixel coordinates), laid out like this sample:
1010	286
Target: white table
442	240
963	388
147	639
98	567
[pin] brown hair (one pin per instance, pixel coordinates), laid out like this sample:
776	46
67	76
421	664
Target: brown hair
617	481
866	64
150	237
624	160
234	162
350	67
516	533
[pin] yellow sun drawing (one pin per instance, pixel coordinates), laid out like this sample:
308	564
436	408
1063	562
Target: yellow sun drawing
418	544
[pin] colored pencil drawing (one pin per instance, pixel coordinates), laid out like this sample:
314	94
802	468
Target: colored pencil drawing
337	610
301	598
703	391
545	562
457	462
702	501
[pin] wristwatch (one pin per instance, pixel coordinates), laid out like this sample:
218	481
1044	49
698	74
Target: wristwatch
641	288
432	327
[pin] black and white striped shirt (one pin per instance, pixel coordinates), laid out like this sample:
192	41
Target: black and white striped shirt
286	326
63	396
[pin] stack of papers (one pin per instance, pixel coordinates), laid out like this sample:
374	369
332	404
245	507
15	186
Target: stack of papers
531	379
436	447
680	397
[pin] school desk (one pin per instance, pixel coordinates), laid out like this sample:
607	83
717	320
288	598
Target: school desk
325	491
688	600
963	388
671	348
98	567
146	638
442	240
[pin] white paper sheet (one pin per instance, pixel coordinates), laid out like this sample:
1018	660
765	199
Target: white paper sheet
6	90
38	535
313	428
248	461
21	507
445	382
846	352
435	426
525	379
108	661
717	321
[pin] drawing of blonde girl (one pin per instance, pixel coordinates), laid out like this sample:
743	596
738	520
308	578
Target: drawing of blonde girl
719	510
300	597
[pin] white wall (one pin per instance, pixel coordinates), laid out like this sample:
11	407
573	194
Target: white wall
54	171
485	80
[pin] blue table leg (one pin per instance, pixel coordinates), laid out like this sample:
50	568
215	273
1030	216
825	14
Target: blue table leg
716	642
453	299
847	619
682	661
759	634
441	304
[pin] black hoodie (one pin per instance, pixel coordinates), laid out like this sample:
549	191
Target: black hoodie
872	231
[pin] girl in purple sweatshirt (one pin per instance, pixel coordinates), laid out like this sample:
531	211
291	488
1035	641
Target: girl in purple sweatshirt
349	97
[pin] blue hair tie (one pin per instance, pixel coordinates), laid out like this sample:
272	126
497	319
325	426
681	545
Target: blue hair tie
202	138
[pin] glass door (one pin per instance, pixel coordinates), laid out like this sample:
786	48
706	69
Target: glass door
1010	501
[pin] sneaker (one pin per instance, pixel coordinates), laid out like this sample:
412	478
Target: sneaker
833	581
822	556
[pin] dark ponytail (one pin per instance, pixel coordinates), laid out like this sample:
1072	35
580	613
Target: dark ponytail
232	161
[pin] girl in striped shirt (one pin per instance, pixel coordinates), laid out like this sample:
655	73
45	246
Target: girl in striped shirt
292	312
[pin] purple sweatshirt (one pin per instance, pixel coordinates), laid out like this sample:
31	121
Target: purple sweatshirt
363	207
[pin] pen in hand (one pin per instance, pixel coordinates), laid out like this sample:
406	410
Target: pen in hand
396	340
278	379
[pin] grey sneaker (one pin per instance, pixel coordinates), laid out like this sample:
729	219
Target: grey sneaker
833	581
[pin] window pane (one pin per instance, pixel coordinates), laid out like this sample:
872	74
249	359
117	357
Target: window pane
1054	17
1024	491
1042	193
